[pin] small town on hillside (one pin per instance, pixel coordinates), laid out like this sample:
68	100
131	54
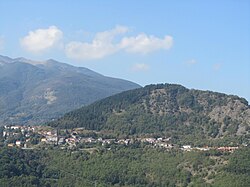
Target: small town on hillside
32	137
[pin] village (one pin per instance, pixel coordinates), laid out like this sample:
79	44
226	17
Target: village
33	137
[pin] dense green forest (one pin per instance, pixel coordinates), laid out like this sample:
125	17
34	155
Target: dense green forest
123	166
188	116
185	116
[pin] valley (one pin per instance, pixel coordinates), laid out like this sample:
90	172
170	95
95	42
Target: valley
158	135
124	93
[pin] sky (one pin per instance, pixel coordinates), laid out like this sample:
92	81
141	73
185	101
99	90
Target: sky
198	44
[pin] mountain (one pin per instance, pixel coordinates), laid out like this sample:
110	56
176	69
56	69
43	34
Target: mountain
33	92
185	115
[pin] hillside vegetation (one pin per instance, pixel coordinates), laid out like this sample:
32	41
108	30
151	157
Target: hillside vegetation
33	92
123	166
190	116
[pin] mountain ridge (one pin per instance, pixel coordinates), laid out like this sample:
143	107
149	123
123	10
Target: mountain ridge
33	92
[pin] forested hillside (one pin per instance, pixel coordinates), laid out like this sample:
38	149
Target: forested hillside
123	166
185	115
32	92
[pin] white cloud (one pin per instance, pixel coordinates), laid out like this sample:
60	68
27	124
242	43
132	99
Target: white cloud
41	39
145	44
102	45
109	35
107	43
140	67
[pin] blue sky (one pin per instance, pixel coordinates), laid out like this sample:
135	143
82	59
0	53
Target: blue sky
199	44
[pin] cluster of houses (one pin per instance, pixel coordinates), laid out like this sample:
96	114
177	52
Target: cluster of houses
157	142
51	136
14	130
206	148
20	135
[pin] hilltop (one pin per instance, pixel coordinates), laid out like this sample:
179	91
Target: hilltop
185	115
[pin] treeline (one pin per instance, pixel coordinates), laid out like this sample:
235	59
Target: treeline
22	168
123	166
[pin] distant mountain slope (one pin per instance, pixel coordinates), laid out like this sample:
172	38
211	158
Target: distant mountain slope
166	109
34	92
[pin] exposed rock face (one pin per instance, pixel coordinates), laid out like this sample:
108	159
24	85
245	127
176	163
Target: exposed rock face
166	108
